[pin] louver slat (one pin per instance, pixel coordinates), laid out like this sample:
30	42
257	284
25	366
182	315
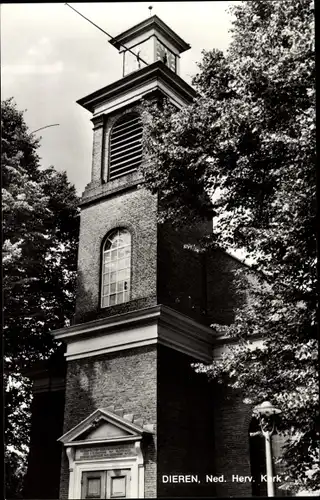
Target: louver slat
125	147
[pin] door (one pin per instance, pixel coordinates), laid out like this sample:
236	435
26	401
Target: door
106	484
118	483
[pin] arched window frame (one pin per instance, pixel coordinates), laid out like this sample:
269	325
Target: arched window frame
116	257
123	147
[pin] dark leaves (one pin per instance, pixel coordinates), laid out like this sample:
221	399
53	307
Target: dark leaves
245	150
40	236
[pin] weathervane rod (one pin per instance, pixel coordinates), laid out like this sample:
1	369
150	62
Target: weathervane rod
105	32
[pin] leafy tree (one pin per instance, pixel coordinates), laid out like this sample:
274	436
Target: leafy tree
40	234
244	151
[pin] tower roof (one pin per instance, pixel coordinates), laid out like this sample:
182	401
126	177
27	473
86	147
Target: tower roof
156	72
155	23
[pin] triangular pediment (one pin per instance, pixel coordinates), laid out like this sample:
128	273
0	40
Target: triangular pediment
103	430
103	426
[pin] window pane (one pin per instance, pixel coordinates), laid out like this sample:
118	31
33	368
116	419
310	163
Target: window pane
120	242
126	273
121	275
116	268
126	237
105	301
107	245
122	264
112	266
119	298
118	487
94	487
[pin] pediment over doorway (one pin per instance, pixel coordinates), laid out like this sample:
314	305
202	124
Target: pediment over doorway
106	426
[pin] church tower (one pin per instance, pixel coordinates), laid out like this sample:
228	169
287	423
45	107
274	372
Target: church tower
135	411
138	421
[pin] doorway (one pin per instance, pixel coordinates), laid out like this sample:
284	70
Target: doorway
106	484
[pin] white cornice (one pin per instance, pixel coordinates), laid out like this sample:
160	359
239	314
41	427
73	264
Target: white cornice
134	86
152	22
155	325
130	97
101	415
122	439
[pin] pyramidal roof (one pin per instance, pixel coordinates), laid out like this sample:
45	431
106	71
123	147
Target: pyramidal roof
155	23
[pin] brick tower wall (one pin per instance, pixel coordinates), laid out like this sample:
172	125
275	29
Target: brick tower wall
134	210
185	425
181	280
125	380
201	285
203	429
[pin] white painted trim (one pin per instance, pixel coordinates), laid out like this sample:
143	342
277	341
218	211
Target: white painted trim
157	25
86	354
86	442
189	351
155	325
136	484
101	325
131	318
103	415
134	95
99	460
113	341
71	454
223	347
137	447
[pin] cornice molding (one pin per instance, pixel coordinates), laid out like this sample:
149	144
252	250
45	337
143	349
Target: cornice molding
156	325
140	78
98	121
110	188
99	417
144	26
94	442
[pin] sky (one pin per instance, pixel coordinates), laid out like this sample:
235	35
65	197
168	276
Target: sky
51	57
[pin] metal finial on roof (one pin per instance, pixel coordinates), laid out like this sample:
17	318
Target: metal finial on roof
150	8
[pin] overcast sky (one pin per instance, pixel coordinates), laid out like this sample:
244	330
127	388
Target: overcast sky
51	57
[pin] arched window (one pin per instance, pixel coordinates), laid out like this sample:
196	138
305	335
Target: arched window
125	146
116	268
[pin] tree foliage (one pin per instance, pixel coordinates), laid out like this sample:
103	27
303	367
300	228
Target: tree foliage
40	234
244	151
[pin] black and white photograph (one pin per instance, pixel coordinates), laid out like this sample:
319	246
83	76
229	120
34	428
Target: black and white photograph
159	251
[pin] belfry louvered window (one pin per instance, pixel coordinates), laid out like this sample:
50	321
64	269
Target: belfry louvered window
125	146
116	268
